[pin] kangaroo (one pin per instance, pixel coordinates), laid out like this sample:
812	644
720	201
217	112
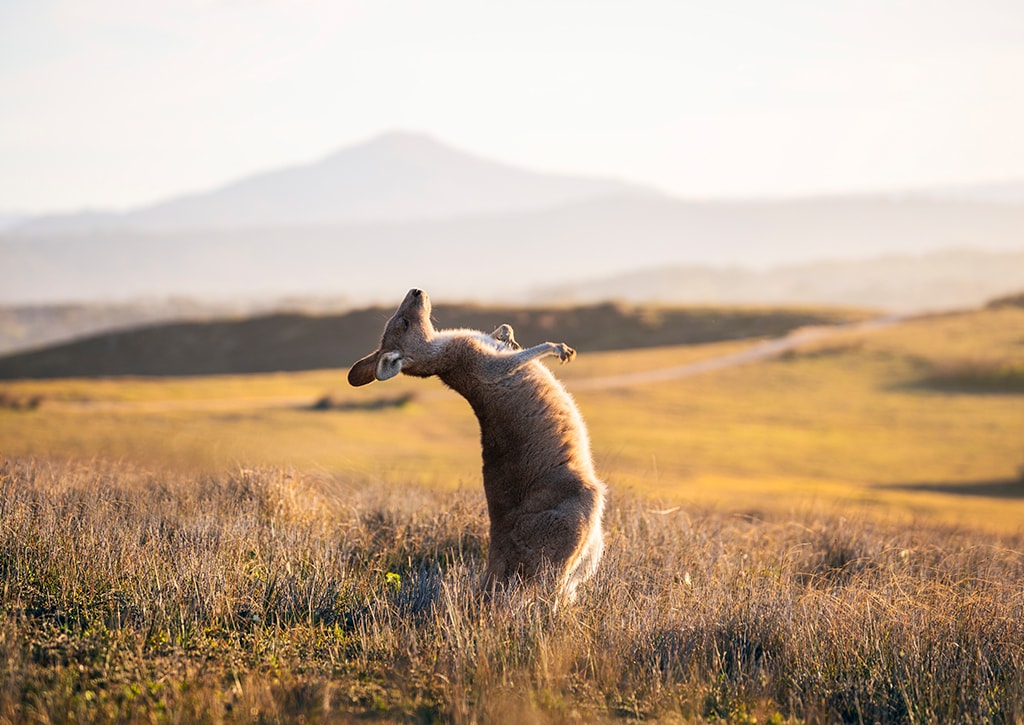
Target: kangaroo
544	500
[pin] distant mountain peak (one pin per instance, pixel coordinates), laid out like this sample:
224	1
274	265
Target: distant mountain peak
396	176
399	138
395	143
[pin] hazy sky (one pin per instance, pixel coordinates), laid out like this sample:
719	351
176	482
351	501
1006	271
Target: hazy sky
116	103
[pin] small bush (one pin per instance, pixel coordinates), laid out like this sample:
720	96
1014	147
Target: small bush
1012	300
10	401
330	402
983	376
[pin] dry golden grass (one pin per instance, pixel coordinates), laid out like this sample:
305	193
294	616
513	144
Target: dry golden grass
863	419
268	596
834	535
860	419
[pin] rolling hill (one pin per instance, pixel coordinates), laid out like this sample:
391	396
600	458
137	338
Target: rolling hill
307	342
495	257
390	178
941	280
402	211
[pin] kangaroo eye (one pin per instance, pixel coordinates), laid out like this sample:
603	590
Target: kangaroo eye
405	324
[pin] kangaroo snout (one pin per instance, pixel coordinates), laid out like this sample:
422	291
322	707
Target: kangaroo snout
415	300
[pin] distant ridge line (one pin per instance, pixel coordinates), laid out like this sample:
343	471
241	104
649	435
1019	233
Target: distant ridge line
292	342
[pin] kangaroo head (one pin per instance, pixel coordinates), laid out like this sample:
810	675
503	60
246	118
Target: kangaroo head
404	345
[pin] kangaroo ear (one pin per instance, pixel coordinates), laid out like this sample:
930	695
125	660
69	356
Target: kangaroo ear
389	364
363	371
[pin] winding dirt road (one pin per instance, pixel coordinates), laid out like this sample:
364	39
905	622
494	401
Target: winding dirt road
760	351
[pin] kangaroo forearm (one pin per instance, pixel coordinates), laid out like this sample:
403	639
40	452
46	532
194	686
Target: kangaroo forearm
560	350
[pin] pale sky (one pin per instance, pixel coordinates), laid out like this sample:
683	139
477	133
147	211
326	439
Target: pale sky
119	103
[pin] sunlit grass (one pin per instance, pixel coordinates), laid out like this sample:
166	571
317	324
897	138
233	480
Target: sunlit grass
262	595
833	535
855	419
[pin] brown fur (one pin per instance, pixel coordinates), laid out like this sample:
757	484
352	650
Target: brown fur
544	499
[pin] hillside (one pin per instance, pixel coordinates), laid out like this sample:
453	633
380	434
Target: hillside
833	534
941	280
305	342
403	211
32	327
393	177
491	257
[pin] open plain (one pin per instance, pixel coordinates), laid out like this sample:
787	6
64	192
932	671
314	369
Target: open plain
832	532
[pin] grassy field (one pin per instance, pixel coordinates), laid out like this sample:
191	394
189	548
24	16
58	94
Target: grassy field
909	421
832	535
267	596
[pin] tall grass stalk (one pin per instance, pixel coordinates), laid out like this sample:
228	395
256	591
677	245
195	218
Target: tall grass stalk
265	595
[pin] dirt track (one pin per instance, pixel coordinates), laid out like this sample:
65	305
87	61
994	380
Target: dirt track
760	351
